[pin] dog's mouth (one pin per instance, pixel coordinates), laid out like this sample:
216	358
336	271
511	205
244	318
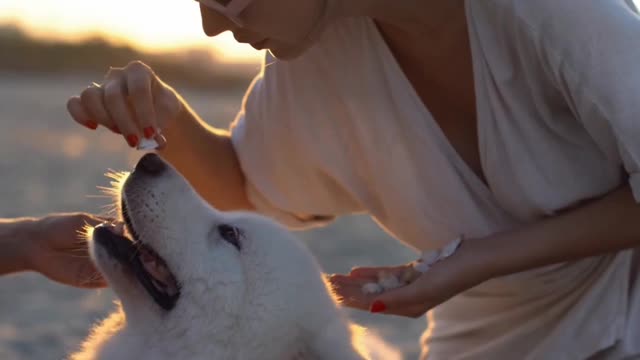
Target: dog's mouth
121	241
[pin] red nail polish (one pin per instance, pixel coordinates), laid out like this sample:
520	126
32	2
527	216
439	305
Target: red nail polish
378	307
149	132
132	140
91	125
115	129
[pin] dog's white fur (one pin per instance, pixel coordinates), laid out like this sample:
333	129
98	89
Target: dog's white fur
267	301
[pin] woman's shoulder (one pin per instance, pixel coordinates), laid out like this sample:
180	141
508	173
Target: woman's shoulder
541	15
551	30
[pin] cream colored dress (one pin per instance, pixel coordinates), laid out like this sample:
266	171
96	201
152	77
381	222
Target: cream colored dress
341	130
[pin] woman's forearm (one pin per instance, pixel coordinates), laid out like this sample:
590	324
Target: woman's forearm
605	225
206	157
14	240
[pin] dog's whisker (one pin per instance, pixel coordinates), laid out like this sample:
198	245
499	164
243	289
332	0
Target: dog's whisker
109	206
116	175
91	278
109	190
94	196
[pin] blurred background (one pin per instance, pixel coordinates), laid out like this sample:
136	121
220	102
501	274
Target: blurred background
51	50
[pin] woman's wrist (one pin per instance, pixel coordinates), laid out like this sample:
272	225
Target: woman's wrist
17	241
479	260
182	128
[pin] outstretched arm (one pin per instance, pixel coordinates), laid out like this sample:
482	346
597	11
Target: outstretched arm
13	242
50	245
605	225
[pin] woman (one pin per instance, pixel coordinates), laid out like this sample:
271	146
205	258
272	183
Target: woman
510	122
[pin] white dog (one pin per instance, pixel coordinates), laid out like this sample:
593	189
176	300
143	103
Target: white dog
197	283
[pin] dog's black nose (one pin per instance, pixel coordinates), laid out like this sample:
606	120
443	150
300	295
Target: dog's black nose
151	164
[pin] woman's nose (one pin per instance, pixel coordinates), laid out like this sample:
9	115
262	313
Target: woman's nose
214	23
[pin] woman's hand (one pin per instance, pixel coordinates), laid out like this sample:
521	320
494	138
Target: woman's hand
447	278
131	101
56	249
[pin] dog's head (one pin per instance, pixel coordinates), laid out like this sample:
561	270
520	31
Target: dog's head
176	256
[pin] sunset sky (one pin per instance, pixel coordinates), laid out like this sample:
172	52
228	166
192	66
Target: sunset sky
157	24
150	24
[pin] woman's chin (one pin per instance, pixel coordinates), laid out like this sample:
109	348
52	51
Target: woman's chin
287	52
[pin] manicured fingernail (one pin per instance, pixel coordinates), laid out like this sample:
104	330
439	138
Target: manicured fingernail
378	307
132	140
149	132
115	129
91	125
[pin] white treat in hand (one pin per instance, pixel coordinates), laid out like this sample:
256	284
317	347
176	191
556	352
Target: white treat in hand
388	281
372	288
157	142
147	144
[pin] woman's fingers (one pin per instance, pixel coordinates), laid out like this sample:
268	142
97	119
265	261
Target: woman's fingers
139	79
115	99
348	291
374	272
92	100
411	300
404	301
349	288
79	114
131	101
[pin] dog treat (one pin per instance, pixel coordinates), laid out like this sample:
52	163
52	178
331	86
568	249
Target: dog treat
152	144
372	288
147	144
387	281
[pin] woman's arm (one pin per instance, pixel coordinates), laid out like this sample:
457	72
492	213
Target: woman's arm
206	157
608	224
51	245
14	245
590	53
134	102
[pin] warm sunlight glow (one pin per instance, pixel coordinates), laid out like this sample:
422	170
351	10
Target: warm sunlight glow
118	179
151	25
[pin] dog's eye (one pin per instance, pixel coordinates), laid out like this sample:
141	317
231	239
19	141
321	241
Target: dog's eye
230	234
